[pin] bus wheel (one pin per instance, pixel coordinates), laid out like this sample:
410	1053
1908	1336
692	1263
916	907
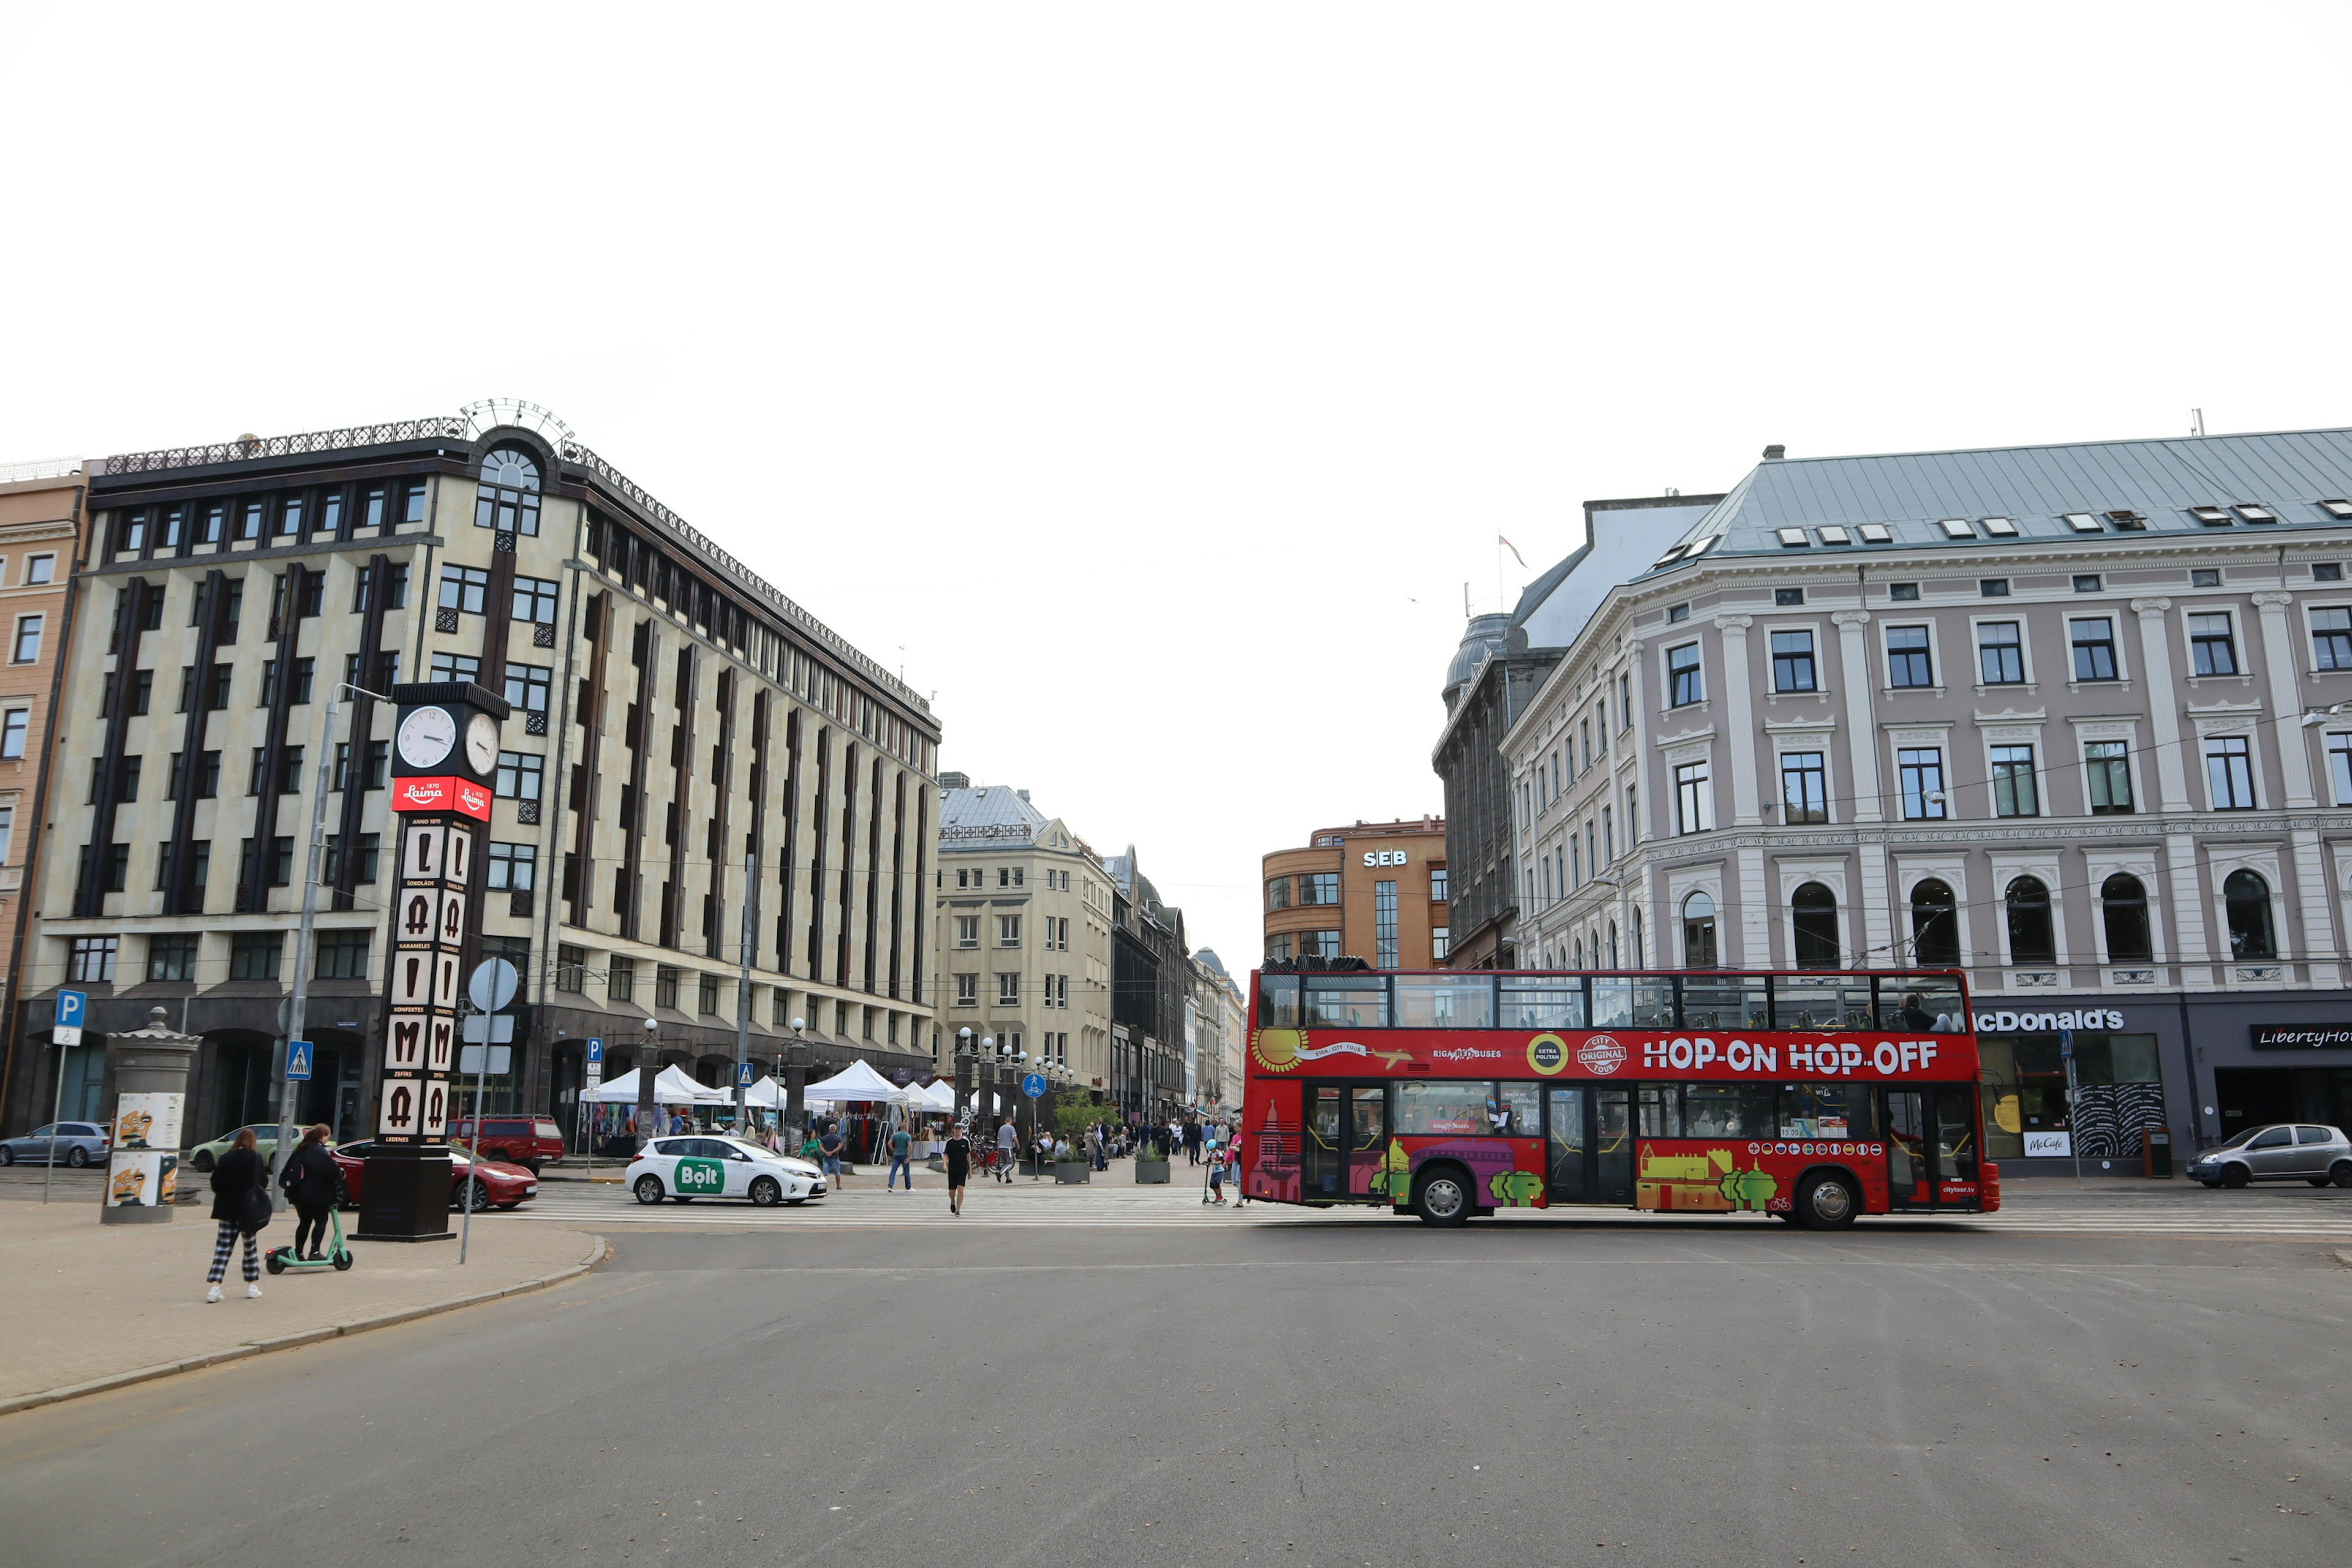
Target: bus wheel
1826	1202
1442	1198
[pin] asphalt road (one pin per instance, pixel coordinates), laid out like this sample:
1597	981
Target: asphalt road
1302	1394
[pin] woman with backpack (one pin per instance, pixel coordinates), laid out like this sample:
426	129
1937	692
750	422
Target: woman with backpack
312	1181
241	1205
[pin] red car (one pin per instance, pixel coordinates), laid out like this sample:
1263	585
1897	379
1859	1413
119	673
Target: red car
502	1186
529	1141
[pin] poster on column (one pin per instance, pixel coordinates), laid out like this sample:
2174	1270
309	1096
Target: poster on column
404	1047
396	1115
420	851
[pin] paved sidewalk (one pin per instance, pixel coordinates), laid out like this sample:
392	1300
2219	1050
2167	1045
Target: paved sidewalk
98	1305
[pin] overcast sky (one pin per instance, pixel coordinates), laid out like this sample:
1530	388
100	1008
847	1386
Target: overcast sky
1151	381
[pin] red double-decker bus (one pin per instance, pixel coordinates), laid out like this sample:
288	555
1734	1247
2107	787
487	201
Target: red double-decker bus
1814	1096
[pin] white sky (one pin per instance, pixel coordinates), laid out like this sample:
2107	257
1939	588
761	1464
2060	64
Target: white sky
1156	378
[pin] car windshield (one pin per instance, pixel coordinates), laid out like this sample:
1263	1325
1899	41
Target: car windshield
2242	1137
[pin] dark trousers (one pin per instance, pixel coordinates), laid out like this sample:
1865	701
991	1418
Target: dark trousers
311	1229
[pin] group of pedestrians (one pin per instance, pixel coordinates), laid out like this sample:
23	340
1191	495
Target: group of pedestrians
313	1182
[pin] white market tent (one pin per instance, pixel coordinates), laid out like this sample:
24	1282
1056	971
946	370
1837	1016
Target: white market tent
671	1087
765	1095
938	1098
855	1082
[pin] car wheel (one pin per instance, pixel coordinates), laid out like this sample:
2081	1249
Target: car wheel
203	1160
767	1193
2341	1173
77	1156
8	1155
2234	1176
1827	1202
1441	1196
649	1189
470	1194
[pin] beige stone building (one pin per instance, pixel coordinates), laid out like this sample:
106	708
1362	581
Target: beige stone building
1023	936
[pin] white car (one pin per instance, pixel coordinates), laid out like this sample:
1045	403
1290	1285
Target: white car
685	1168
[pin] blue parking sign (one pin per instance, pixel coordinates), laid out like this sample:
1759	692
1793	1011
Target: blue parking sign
297	1061
596	1052
72	1007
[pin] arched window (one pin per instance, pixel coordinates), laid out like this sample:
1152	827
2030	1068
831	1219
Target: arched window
1612	944
1812	917
1699	932
508	497
2247	899
1935	925
1580	952
1637	939
2123	904
2031	939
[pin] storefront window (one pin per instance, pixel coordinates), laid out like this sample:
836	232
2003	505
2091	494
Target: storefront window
2120	1093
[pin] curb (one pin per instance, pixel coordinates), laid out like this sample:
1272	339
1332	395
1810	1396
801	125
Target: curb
600	1252
2342	1259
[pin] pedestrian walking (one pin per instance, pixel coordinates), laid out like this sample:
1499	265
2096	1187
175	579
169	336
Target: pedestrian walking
241	1205
1008	1142
959	1162
829	1146
1234	1169
901	1145
312	1181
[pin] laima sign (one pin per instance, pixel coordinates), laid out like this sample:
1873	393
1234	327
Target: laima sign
442	794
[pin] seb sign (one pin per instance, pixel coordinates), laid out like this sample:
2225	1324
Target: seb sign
1385	857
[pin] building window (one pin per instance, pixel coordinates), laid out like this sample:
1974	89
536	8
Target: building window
967	931
967	990
619	980
465	589
341	955
2229	773
518	775
1008	990
705	994
2095	649
1907	659
571	967
363	872
513	867
1318	945
1812	921
1318	888
1440	941
1684	684
1278	947
2087	583
666	985
1437	884
2339	766
1793	661
92	960
1694	799
256	955
2331	638
507	499
171	958
40	570
1278	893
454	667
2123	907
2030	934
1993	587
14	726
1903	593
2014	794
1699	932
1921	772
2110	767
2246	900
2211	650
1804	787
1935	924
2327	571
1384	923
534	600
527	687
2000	654
26	650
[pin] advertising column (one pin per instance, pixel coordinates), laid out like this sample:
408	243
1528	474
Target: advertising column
444	762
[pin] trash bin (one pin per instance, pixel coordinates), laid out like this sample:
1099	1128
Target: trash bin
2157	1144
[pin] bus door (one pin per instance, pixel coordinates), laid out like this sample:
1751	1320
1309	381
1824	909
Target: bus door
1589	1142
1368	1140
1613	1146
1567	1146
1325	1166
1931	1139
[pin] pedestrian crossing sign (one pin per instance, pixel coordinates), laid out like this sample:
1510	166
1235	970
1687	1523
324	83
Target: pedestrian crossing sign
297	1061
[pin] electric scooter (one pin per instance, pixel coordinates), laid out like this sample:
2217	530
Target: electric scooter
278	1259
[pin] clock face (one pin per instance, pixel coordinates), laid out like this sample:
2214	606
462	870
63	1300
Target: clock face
427	737
482	743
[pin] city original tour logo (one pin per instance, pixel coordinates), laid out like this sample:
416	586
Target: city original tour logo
1600	1056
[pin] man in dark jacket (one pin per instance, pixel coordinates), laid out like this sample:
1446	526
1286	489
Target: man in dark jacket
239	1177
313	1182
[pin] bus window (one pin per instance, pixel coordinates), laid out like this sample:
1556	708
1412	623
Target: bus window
1727	1111
1819	1005
1545	1002
1433	1108
1348	1001
1726	1002
1930	1003
1278	1002
1516	1111
1444	1002
1830	1110
1661	1111
1622	1002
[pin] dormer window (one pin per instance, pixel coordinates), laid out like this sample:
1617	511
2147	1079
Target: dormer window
1834	535
2082	522
1793	539
2339	509
2212	515
1958	528
1875	533
2126	520
2253	513
1669	558
2001	528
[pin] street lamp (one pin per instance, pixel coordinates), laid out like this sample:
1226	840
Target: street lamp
646	1066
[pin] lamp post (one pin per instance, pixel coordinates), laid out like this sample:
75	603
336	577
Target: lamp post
647	1065
796	1081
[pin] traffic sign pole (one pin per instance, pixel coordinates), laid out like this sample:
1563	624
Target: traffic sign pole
65	1031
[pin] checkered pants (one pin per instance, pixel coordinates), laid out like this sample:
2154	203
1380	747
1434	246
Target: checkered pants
226	1243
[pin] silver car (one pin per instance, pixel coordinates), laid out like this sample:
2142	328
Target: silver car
2282	1151
77	1143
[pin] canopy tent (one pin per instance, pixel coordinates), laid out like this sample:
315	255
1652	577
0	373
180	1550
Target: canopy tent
858	1082
671	1087
765	1095
942	1097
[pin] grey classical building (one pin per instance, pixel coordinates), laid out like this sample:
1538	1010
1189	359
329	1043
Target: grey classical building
675	717
2076	720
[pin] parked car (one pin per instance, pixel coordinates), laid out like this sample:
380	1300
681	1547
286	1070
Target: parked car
683	1169
75	1144
502	1186
2283	1152
529	1141
204	1156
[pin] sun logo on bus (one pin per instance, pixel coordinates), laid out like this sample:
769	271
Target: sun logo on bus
1600	1056
1278	1049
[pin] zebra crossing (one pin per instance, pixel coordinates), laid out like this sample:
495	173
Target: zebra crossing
2188	1213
